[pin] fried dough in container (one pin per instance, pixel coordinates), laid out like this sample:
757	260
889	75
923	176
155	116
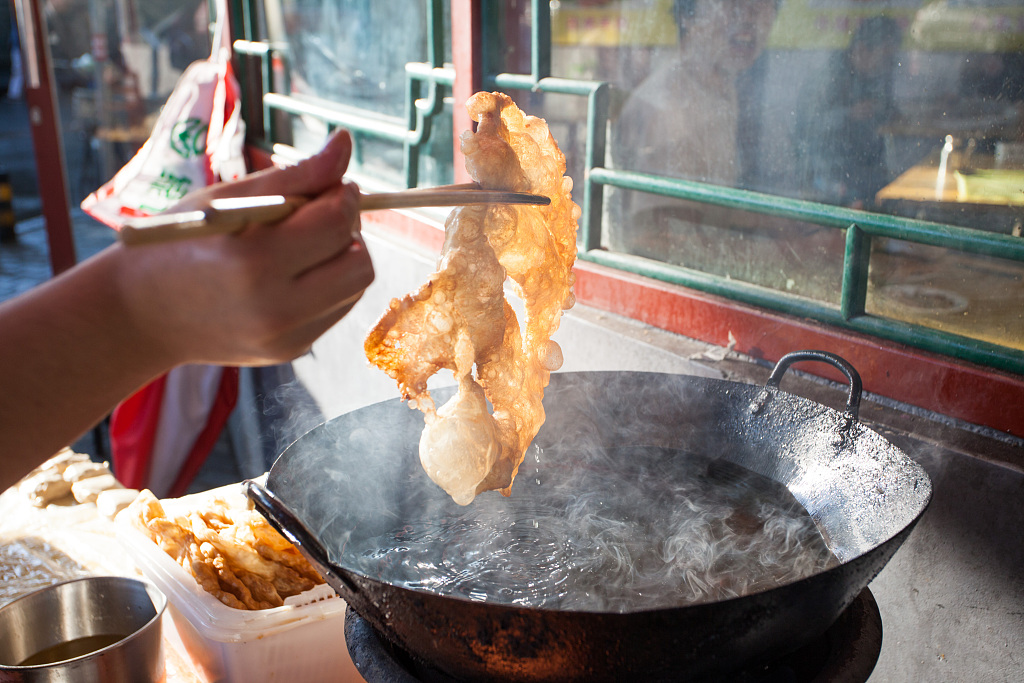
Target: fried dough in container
79	471
46	483
460	320
233	554
88	490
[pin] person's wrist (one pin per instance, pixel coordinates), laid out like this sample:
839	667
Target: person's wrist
141	321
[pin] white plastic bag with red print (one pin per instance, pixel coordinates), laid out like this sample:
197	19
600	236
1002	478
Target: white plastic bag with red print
197	140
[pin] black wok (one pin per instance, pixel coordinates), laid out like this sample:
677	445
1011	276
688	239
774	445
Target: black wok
357	476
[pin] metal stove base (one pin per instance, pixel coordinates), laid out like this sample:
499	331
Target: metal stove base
845	653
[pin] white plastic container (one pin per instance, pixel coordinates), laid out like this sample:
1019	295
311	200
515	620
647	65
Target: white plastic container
302	641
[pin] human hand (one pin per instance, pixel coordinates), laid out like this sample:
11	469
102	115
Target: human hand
262	295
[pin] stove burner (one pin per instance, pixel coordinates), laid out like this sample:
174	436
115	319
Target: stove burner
845	653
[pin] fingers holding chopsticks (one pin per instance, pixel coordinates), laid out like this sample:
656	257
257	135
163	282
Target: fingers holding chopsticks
315	257
308	178
270	196
321	250
261	294
316	232
321	217
333	289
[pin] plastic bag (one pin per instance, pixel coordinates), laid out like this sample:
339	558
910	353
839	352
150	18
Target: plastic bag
197	140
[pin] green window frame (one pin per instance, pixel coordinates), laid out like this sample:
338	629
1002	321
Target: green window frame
429	82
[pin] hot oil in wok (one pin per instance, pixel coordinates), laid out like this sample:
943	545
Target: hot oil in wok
638	528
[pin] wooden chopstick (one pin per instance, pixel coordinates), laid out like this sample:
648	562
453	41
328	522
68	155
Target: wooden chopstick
445	197
231	215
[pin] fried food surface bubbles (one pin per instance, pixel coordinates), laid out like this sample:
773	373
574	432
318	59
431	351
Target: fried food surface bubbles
460	320
232	552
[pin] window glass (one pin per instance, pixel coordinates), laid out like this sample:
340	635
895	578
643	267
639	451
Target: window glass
331	54
352	54
948	290
798	258
905	107
912	108
114	65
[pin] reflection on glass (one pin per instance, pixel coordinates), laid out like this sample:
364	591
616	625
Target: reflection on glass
683	119
843	109
789	256
114	65
973	296
817	99
834	101
353	53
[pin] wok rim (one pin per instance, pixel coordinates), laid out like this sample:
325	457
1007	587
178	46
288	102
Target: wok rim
725	386
661	642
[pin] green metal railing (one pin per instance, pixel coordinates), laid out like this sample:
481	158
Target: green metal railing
412	132
861	227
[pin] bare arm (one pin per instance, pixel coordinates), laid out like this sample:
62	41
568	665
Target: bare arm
75	346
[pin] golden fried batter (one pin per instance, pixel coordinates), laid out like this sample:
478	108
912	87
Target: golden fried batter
233	554
460	320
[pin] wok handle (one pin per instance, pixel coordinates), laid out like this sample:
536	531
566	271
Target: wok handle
291	528
841	364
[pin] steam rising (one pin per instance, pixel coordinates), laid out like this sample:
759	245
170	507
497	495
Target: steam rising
642	491
288	412
651	530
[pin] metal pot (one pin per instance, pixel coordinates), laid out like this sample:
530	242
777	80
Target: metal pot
358	475
103	629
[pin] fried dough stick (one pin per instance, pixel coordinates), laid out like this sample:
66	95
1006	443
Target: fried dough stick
459	319
234	554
